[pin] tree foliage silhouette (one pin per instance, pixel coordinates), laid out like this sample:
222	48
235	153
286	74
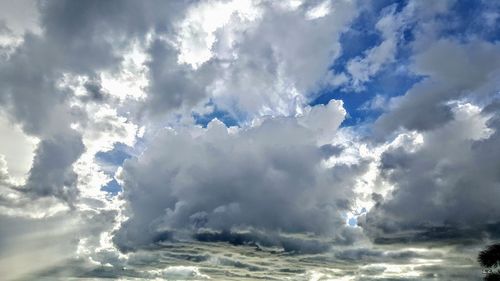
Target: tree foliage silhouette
489	259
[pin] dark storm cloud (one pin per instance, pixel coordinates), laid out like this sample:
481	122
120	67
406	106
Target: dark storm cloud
30	96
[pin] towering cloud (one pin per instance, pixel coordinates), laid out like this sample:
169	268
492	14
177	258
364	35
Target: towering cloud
269	178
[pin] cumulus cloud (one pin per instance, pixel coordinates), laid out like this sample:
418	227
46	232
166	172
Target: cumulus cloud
443	190
279	60
252	59
266	178
443	186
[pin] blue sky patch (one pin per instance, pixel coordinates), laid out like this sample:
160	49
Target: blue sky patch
223	115
110	160
112	187
387	83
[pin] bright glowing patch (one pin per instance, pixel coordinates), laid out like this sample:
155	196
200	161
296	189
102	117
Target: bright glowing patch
132	80
17	148
196	35
319	11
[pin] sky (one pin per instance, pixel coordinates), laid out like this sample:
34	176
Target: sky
308	140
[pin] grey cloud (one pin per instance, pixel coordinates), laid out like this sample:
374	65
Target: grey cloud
446	190
91	34
296	245
267	178
94	36
174	85
303	48
95	90
49	244
329	150
52	173
31	97
452	71
28	86
87	37
263	187
269	68
4	29
76	38
32	241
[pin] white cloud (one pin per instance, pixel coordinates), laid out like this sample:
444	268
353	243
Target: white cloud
197	31
180	273
320	10
279	61
362	68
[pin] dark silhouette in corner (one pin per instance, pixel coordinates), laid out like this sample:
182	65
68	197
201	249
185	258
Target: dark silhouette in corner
489	259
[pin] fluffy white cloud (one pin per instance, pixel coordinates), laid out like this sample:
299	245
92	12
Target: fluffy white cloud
280	60
391	26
